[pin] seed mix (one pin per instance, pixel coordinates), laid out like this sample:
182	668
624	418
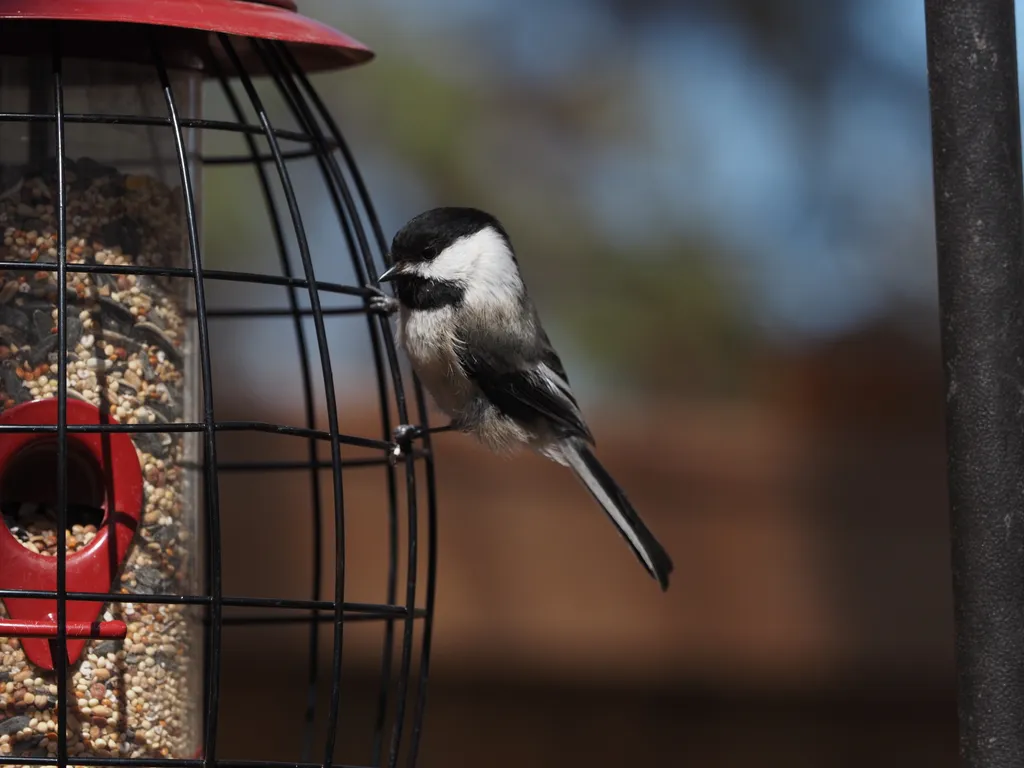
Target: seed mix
127	347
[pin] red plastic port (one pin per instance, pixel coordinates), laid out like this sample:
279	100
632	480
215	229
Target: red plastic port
92	569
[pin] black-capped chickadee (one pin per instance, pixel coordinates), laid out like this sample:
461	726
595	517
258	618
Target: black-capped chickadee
473	336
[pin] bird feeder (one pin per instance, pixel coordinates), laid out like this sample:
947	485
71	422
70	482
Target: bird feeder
111	598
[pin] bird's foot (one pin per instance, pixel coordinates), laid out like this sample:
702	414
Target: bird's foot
380	303
402	438
404	434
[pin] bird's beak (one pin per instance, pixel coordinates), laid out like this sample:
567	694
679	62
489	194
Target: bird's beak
388	274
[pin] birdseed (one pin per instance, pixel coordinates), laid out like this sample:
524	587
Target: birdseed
127	352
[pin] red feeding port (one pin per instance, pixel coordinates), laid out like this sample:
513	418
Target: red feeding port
102	470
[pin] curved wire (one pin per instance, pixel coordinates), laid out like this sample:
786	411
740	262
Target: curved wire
349	220
431	480
148	121
329	394
60	646
207	274
214	567
309	718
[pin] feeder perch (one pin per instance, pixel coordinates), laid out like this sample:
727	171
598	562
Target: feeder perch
108	469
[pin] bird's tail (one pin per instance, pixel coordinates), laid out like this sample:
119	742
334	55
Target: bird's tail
612	498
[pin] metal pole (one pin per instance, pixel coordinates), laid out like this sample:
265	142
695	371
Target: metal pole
972	73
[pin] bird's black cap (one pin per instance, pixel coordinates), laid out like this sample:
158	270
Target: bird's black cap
425	236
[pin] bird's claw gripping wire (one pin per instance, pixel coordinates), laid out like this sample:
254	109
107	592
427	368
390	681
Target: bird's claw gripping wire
406	433
380	303
402	438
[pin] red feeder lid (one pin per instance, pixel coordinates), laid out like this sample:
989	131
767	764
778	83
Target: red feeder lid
316	45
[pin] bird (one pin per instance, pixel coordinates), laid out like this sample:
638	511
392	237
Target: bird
474	338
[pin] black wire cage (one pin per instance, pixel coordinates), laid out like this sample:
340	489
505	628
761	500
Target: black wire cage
115	601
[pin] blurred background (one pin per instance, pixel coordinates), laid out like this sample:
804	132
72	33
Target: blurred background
724	212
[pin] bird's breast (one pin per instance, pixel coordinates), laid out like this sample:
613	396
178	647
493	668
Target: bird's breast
429	341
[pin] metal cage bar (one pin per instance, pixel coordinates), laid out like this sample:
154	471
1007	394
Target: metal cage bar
144	120
220	426
418	392
210	485
168	762
209	274
329	394
60	644
341	199
296	313
972	68
381	611
347	223
320	152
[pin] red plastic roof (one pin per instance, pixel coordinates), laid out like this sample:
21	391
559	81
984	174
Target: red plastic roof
266	19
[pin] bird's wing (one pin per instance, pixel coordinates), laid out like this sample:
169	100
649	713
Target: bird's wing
550	358
527	389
